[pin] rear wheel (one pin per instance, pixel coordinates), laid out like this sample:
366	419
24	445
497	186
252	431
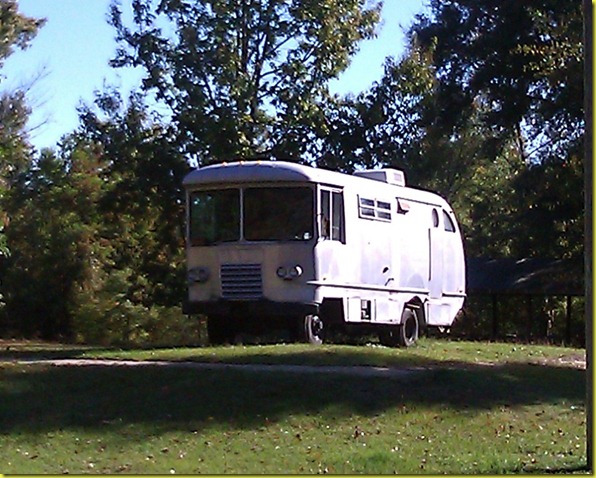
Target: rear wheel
409	328
404	334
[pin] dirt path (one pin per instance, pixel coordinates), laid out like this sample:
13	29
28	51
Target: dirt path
365	371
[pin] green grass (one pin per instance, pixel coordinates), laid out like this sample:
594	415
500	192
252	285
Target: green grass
427	353
480	408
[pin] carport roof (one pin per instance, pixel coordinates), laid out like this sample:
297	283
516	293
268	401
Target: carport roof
530	276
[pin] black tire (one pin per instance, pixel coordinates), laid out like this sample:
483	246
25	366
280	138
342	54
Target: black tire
218	331
313	331
409	330
402	335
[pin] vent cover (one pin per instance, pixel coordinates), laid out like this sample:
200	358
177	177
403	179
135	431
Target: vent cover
389	176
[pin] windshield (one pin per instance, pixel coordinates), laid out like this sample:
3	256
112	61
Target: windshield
270	214
214	216
278	214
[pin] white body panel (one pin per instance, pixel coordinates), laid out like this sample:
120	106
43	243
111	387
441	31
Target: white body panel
398	245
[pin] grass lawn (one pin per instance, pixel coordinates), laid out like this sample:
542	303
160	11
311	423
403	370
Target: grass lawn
472	408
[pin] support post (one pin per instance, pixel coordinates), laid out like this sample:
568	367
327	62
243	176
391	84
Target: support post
495	328
568	321
529	318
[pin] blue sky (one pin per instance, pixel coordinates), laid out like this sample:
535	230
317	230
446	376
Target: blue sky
71	54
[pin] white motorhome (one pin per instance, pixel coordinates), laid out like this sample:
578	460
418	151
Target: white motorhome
273	243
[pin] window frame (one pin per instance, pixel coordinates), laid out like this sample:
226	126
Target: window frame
240	189
374	209
448	222
335	197
194	241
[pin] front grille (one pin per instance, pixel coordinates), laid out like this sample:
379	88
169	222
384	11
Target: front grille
241	281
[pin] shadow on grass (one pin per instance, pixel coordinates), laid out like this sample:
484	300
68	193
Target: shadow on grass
46	398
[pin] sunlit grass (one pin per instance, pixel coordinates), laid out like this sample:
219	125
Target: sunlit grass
427	352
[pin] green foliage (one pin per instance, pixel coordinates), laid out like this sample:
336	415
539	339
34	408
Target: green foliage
522	60
52	237
143	206
97	232
480	119
15	29
141	218
243	80
106	317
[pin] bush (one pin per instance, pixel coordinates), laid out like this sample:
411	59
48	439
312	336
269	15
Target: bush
106	316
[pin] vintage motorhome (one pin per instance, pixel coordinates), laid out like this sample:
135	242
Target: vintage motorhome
275	244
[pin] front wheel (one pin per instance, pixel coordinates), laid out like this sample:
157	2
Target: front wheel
312	329
219	331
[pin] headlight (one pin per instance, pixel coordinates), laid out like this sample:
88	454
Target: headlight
295	272
289	273
198	274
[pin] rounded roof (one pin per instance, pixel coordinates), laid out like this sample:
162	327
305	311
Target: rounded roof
270	171
283	171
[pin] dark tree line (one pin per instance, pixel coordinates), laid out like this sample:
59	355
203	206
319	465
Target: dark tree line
485	107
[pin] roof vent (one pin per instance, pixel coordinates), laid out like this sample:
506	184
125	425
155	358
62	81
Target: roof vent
389	176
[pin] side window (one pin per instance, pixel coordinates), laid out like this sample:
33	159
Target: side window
374	209
435	218
337	222
367	207
332	215
325	214
449	225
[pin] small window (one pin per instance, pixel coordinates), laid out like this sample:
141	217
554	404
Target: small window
325	214
449	224
374	209
435	218
337	214
384	210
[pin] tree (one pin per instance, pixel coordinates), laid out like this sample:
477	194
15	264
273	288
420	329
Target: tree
53	239
522	60
16	30
97	231
143	205
382	126
139	286
243	78
444	113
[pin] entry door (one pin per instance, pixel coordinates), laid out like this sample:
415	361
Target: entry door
435	247
330	250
